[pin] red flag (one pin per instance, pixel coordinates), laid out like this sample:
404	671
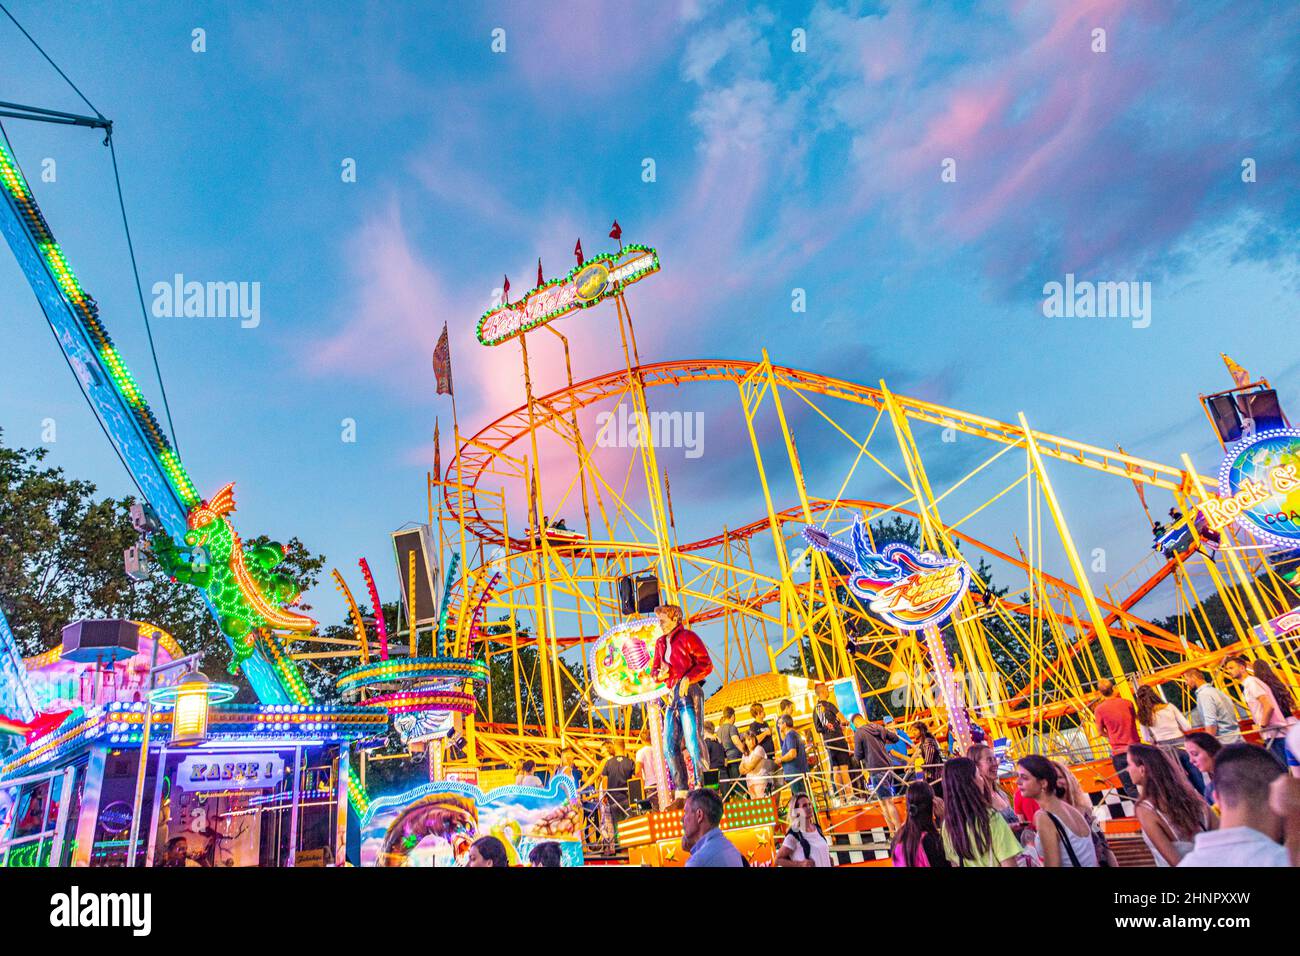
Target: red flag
577	251
505	287
437	453
540	280
616	232
442	363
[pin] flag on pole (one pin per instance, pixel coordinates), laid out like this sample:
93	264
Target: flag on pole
616	231
577	251
1240	376
540	280
1139	486
442	363
437	453
505	288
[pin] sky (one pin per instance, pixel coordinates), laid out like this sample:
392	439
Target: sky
798	146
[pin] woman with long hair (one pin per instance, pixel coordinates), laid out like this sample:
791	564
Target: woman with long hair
754	767
974	834
1170	812
1166	725
1062	835
1202	748
986	774
1075	795
804	844
1284	717
917	842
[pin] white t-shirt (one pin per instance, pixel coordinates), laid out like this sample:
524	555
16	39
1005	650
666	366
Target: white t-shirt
529	780
1257	695
1168	724
645	764
817	845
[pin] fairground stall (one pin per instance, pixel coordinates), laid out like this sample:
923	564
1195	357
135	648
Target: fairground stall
224	784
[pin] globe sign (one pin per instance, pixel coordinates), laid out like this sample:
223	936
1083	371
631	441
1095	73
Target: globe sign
1275	519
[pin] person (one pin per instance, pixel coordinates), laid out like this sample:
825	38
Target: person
918	842
177	853
567	768
925	751
762	730
1075	795
714	752
831	726
785	709
986	774
702	835
1116	720
1170	812
974	834
1249	828
614	774
1264	705
871	741
1218	714
1062	835
805	843
1202	747
547	853
1285	701
754	767
487	851
793	756
733	749
526	777
1165	724
645	766
682	662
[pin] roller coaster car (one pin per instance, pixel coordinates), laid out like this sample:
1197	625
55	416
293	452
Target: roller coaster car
558	535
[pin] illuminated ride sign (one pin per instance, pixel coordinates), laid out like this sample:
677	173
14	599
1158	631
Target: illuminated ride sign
586	285
910	589
1259	488
621	663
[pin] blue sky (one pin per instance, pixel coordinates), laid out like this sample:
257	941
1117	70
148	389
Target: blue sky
775	170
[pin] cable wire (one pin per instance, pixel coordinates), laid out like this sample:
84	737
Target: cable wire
121	202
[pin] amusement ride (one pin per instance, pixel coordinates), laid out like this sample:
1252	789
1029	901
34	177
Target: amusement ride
520	636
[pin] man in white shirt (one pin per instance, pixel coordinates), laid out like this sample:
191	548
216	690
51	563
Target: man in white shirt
1264	711
1249	830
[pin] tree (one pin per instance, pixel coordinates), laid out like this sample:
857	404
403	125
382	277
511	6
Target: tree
61	559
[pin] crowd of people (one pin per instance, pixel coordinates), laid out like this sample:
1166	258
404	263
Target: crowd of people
1202	795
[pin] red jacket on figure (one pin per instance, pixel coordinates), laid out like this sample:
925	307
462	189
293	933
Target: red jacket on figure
688	657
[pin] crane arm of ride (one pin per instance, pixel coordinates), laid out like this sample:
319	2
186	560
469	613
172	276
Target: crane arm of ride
196	543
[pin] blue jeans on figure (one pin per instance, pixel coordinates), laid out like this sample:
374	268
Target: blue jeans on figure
683	709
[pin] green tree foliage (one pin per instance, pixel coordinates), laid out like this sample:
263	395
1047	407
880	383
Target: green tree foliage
61	559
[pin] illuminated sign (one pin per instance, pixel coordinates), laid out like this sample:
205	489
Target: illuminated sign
910	589
229	772
593	281
1259	488
620	663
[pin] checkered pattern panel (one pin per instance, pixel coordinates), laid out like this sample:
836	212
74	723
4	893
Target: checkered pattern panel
1112	804
861	846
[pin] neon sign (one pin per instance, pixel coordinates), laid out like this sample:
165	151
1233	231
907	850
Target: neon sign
585	285
248	772
1259	488
910	589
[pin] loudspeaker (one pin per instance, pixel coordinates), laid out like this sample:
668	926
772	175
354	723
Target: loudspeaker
638	594
1263	407
635	790
426	572
1226	420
